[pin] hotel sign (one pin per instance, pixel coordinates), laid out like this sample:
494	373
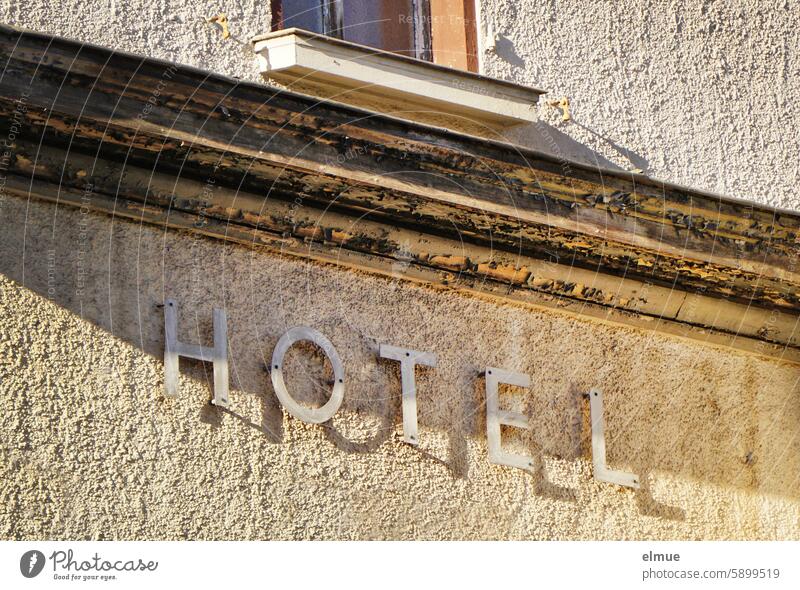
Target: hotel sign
407	358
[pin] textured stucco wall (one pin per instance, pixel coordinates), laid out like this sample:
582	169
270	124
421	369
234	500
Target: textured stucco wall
703	93
692	92
175	30
91	448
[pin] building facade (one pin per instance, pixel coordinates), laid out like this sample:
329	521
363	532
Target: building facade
134	179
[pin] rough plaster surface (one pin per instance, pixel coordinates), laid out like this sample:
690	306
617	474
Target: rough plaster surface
92	449
171	30
703	93
699	93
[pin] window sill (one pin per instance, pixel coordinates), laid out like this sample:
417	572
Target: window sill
393	84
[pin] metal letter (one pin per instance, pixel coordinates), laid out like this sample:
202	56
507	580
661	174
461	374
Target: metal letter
218	354
312	415
408	360
601	470
495	417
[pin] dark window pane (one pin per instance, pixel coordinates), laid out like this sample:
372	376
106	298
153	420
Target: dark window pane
386	24
303	14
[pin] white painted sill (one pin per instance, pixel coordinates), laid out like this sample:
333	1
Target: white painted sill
393	84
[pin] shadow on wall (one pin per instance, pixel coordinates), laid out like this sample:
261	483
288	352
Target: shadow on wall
637	162
545	137
504	48
128	270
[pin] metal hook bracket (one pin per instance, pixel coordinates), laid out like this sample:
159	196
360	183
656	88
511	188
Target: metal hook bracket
220	19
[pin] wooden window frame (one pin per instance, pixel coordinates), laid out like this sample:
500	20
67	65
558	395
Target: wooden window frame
431	17
454	33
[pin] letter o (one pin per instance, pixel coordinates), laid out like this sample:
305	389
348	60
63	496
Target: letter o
312	415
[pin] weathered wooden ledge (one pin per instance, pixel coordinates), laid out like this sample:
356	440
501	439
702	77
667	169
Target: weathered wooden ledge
273	169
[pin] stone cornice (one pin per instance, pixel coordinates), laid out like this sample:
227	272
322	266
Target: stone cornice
188	149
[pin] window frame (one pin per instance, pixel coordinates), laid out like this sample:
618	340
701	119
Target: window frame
333	18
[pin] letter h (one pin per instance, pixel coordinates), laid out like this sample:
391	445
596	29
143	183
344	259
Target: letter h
217	354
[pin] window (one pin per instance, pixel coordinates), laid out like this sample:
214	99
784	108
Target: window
441	31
